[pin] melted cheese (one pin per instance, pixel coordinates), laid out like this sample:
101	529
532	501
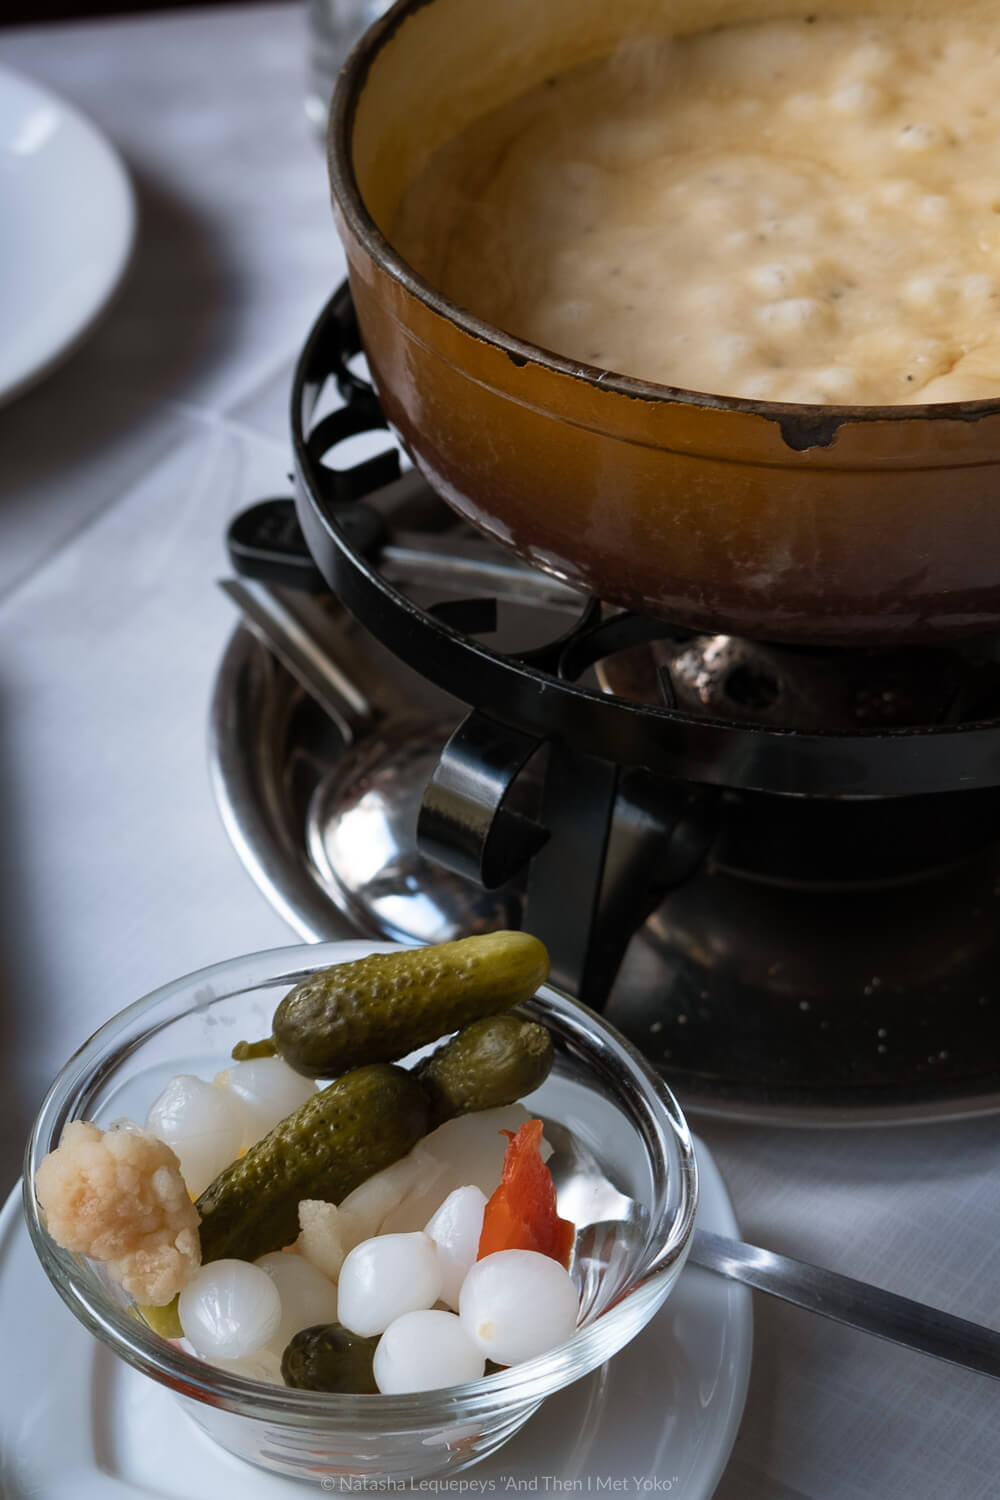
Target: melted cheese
796	210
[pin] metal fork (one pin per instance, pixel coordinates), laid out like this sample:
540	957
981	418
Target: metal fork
588	1198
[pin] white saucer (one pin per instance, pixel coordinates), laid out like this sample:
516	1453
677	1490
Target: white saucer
76	1421
67	223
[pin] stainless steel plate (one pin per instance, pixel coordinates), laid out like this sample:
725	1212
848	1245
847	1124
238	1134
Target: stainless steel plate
324	821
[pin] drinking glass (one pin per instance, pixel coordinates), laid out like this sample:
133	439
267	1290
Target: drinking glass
334	27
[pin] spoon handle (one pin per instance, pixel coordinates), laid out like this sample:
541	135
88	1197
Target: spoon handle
285	628
856	1303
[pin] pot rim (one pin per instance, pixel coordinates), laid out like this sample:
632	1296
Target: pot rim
818	422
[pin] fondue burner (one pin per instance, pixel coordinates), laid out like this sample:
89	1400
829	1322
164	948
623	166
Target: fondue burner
776	868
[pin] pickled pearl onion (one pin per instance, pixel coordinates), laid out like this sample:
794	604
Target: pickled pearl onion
229	1308
424	1350
268	1089
456	1229
203	1125
516	1304
307	1297
385	1277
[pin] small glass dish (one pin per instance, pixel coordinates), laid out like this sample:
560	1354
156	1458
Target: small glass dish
600	1089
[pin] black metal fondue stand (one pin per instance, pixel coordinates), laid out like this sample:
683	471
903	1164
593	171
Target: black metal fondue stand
807	840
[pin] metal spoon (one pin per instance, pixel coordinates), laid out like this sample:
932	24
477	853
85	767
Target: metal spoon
586	1193
361	820
290	634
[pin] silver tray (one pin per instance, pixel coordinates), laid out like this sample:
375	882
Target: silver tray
279	764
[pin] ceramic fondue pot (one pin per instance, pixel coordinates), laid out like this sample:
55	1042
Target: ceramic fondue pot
831	524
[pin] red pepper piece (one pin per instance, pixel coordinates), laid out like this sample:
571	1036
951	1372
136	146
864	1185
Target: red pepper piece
522	1215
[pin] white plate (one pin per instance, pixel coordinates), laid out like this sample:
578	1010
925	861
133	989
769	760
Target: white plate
67	223
660	1418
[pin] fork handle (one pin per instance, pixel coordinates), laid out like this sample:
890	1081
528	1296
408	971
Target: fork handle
856	1303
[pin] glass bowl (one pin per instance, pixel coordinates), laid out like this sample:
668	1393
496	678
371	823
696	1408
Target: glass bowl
600	1089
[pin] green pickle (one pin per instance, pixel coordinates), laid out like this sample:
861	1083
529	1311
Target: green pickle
492	1062
363	1122
162	1320
379	1008
329	1358
246	1051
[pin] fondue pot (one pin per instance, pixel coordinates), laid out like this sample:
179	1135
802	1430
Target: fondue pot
821	524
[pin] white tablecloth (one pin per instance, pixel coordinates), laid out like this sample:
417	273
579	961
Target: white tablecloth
116	478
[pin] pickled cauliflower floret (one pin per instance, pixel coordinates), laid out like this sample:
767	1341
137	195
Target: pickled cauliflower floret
320	1241
119	1197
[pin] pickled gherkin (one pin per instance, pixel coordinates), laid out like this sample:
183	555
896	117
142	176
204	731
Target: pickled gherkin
329	1358
492	1062
162	1320
339	1138
247	1051
379	1008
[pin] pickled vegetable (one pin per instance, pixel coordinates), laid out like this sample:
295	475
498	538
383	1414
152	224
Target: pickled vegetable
489	1063
328	1358
379	1008
229	1310
456	1230
521	1215
386	1276
205	1127
517	1304
423	1351
307	1296
249	1051
118	1196
267	1090
363	1122
162	1320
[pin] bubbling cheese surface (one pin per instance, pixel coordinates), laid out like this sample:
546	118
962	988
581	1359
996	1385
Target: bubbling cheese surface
800	210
